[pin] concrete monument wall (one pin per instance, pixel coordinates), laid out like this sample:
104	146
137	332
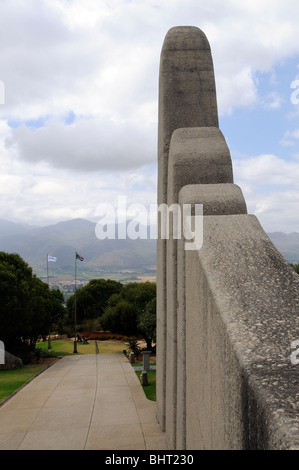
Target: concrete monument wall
227	312
187	98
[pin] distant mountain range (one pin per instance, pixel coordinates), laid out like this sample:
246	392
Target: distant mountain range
287	244
63	239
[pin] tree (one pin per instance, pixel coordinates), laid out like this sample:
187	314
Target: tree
27	307
56	313
121	318
295	266
15	293
39	313
57	309
147	322
92	300
133	311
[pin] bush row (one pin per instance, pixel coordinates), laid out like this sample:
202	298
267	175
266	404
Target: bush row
105	335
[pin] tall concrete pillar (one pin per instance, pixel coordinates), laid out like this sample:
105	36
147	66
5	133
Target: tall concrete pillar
187	98
197	156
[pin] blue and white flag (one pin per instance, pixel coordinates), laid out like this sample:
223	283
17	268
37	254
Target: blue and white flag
52	258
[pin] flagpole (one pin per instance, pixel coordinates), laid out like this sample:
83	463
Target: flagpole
75	341
48	269
49	335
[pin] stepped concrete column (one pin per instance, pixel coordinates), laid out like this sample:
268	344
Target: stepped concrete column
197	156
187	98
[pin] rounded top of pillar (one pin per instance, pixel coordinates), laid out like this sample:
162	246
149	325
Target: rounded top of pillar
185	38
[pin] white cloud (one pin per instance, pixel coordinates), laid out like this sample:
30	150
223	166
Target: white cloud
99	59
86	145
272	100
277	211
271	189
267	170
41	196
289	136
36	193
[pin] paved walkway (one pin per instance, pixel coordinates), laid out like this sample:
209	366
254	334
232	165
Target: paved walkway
92	402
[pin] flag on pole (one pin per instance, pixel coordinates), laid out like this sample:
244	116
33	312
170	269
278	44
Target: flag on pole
52	258
79	257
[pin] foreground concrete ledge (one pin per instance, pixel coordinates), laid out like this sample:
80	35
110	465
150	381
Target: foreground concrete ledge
242	303
217	199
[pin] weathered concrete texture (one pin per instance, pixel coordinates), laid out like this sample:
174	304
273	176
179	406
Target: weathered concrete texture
187	98
187	93
196	155
242	301
217	199
227	313
220	199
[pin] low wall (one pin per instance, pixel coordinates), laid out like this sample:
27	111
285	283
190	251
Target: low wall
227	312
242	303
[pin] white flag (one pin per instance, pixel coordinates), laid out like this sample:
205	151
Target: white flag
52	258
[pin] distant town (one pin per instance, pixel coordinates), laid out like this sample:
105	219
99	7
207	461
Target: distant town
67	284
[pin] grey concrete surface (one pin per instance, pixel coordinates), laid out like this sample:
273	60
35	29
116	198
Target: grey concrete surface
217	199
227	308
187	98
220	199
197	156
242	301
84	402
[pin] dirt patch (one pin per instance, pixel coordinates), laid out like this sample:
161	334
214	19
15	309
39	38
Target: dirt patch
47	361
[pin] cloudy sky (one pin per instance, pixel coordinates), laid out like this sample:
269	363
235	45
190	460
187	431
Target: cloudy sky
79	102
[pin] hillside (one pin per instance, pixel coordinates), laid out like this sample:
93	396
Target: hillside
101	257
63	239
11	228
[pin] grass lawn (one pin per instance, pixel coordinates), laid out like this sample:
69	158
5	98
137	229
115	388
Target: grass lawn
11	380
65	348
150	389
